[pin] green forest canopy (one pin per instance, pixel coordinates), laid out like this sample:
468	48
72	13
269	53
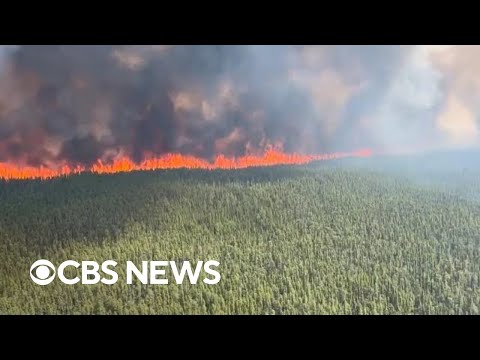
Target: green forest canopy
363	236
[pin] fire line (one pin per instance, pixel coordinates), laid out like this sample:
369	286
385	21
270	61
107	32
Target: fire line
271	157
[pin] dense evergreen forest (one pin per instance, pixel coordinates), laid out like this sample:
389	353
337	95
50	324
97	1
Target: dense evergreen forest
364	236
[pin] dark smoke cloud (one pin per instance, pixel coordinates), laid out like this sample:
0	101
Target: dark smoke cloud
84	103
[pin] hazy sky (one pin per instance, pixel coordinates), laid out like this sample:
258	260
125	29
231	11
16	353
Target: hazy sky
81	103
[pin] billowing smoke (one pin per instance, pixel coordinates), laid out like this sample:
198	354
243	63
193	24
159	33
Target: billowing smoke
78	104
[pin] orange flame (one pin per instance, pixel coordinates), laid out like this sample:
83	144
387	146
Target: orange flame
271	157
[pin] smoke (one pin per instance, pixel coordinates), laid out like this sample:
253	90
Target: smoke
459	117
78	104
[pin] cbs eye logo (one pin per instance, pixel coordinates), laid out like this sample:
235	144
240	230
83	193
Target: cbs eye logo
40	272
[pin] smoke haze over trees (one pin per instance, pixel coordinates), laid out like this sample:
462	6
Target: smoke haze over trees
78	104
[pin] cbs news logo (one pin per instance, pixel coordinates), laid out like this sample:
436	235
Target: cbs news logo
43	272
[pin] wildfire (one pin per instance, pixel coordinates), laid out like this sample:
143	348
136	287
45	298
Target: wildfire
271	157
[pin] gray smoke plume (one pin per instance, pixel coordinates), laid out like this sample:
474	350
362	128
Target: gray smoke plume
83	103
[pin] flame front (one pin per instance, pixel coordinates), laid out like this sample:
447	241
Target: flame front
271	157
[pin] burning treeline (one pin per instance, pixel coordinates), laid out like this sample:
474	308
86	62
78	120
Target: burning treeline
67	109
271	157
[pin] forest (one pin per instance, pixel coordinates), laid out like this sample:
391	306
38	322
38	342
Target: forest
396	235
